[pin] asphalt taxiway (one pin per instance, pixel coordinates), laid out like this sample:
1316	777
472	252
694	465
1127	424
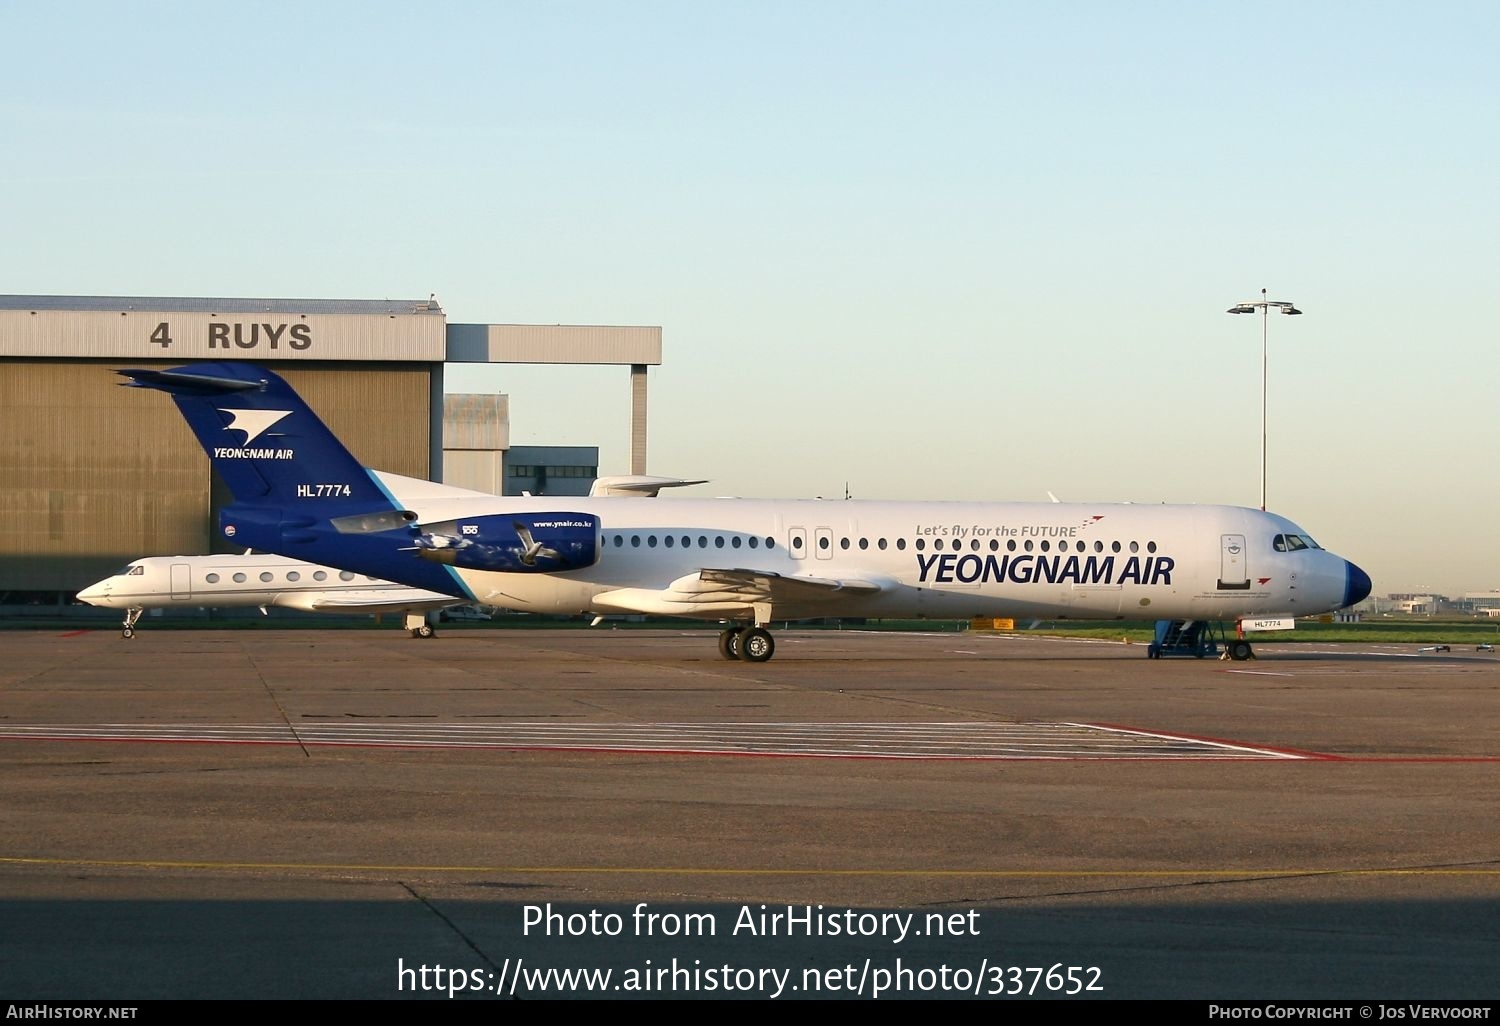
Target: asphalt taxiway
326	813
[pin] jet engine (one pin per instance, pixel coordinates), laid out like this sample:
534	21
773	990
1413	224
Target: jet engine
518	543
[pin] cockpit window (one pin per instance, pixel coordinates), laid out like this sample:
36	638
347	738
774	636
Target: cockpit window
1294	542
134	570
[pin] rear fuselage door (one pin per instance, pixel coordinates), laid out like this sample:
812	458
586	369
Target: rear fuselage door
823	542
796	541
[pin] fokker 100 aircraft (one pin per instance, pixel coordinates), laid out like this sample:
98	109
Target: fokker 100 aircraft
257	580
746	562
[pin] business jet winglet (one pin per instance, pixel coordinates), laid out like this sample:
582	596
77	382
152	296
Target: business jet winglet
746	562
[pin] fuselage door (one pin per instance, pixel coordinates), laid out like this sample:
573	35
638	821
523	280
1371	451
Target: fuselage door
823	542
796	542
1233	574
182	582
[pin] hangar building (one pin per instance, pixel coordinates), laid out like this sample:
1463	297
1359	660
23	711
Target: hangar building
93	475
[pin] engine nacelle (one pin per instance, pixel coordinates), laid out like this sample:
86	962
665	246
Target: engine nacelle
518	543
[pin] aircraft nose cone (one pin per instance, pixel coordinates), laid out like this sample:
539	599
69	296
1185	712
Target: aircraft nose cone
93	591
1356	584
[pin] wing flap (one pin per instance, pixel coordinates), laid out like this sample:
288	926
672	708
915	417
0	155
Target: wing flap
715	593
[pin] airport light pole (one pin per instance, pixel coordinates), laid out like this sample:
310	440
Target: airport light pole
1264	306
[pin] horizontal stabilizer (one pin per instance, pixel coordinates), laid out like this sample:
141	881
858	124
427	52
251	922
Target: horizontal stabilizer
184	382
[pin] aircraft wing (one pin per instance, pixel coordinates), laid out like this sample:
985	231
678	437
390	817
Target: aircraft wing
773	585
713	593
373	601
637	485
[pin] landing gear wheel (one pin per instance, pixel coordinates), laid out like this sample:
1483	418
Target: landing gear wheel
1239	651
756	645
424	631
729	643
127	632
132	614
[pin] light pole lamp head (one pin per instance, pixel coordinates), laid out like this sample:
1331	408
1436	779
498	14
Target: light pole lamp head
1241	308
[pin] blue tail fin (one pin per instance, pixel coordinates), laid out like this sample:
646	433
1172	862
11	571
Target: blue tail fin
264	440
297	490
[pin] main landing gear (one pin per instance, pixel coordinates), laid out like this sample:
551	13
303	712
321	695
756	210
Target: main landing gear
132	614
418	625
752	644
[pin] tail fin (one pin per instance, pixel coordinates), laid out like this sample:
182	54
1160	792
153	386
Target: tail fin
297	490
264	440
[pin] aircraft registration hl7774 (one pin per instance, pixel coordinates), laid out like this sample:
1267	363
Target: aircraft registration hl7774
298	492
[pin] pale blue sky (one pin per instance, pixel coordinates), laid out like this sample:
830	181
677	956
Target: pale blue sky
930	250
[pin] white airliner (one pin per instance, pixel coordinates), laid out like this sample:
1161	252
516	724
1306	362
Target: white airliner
746	562
168	582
